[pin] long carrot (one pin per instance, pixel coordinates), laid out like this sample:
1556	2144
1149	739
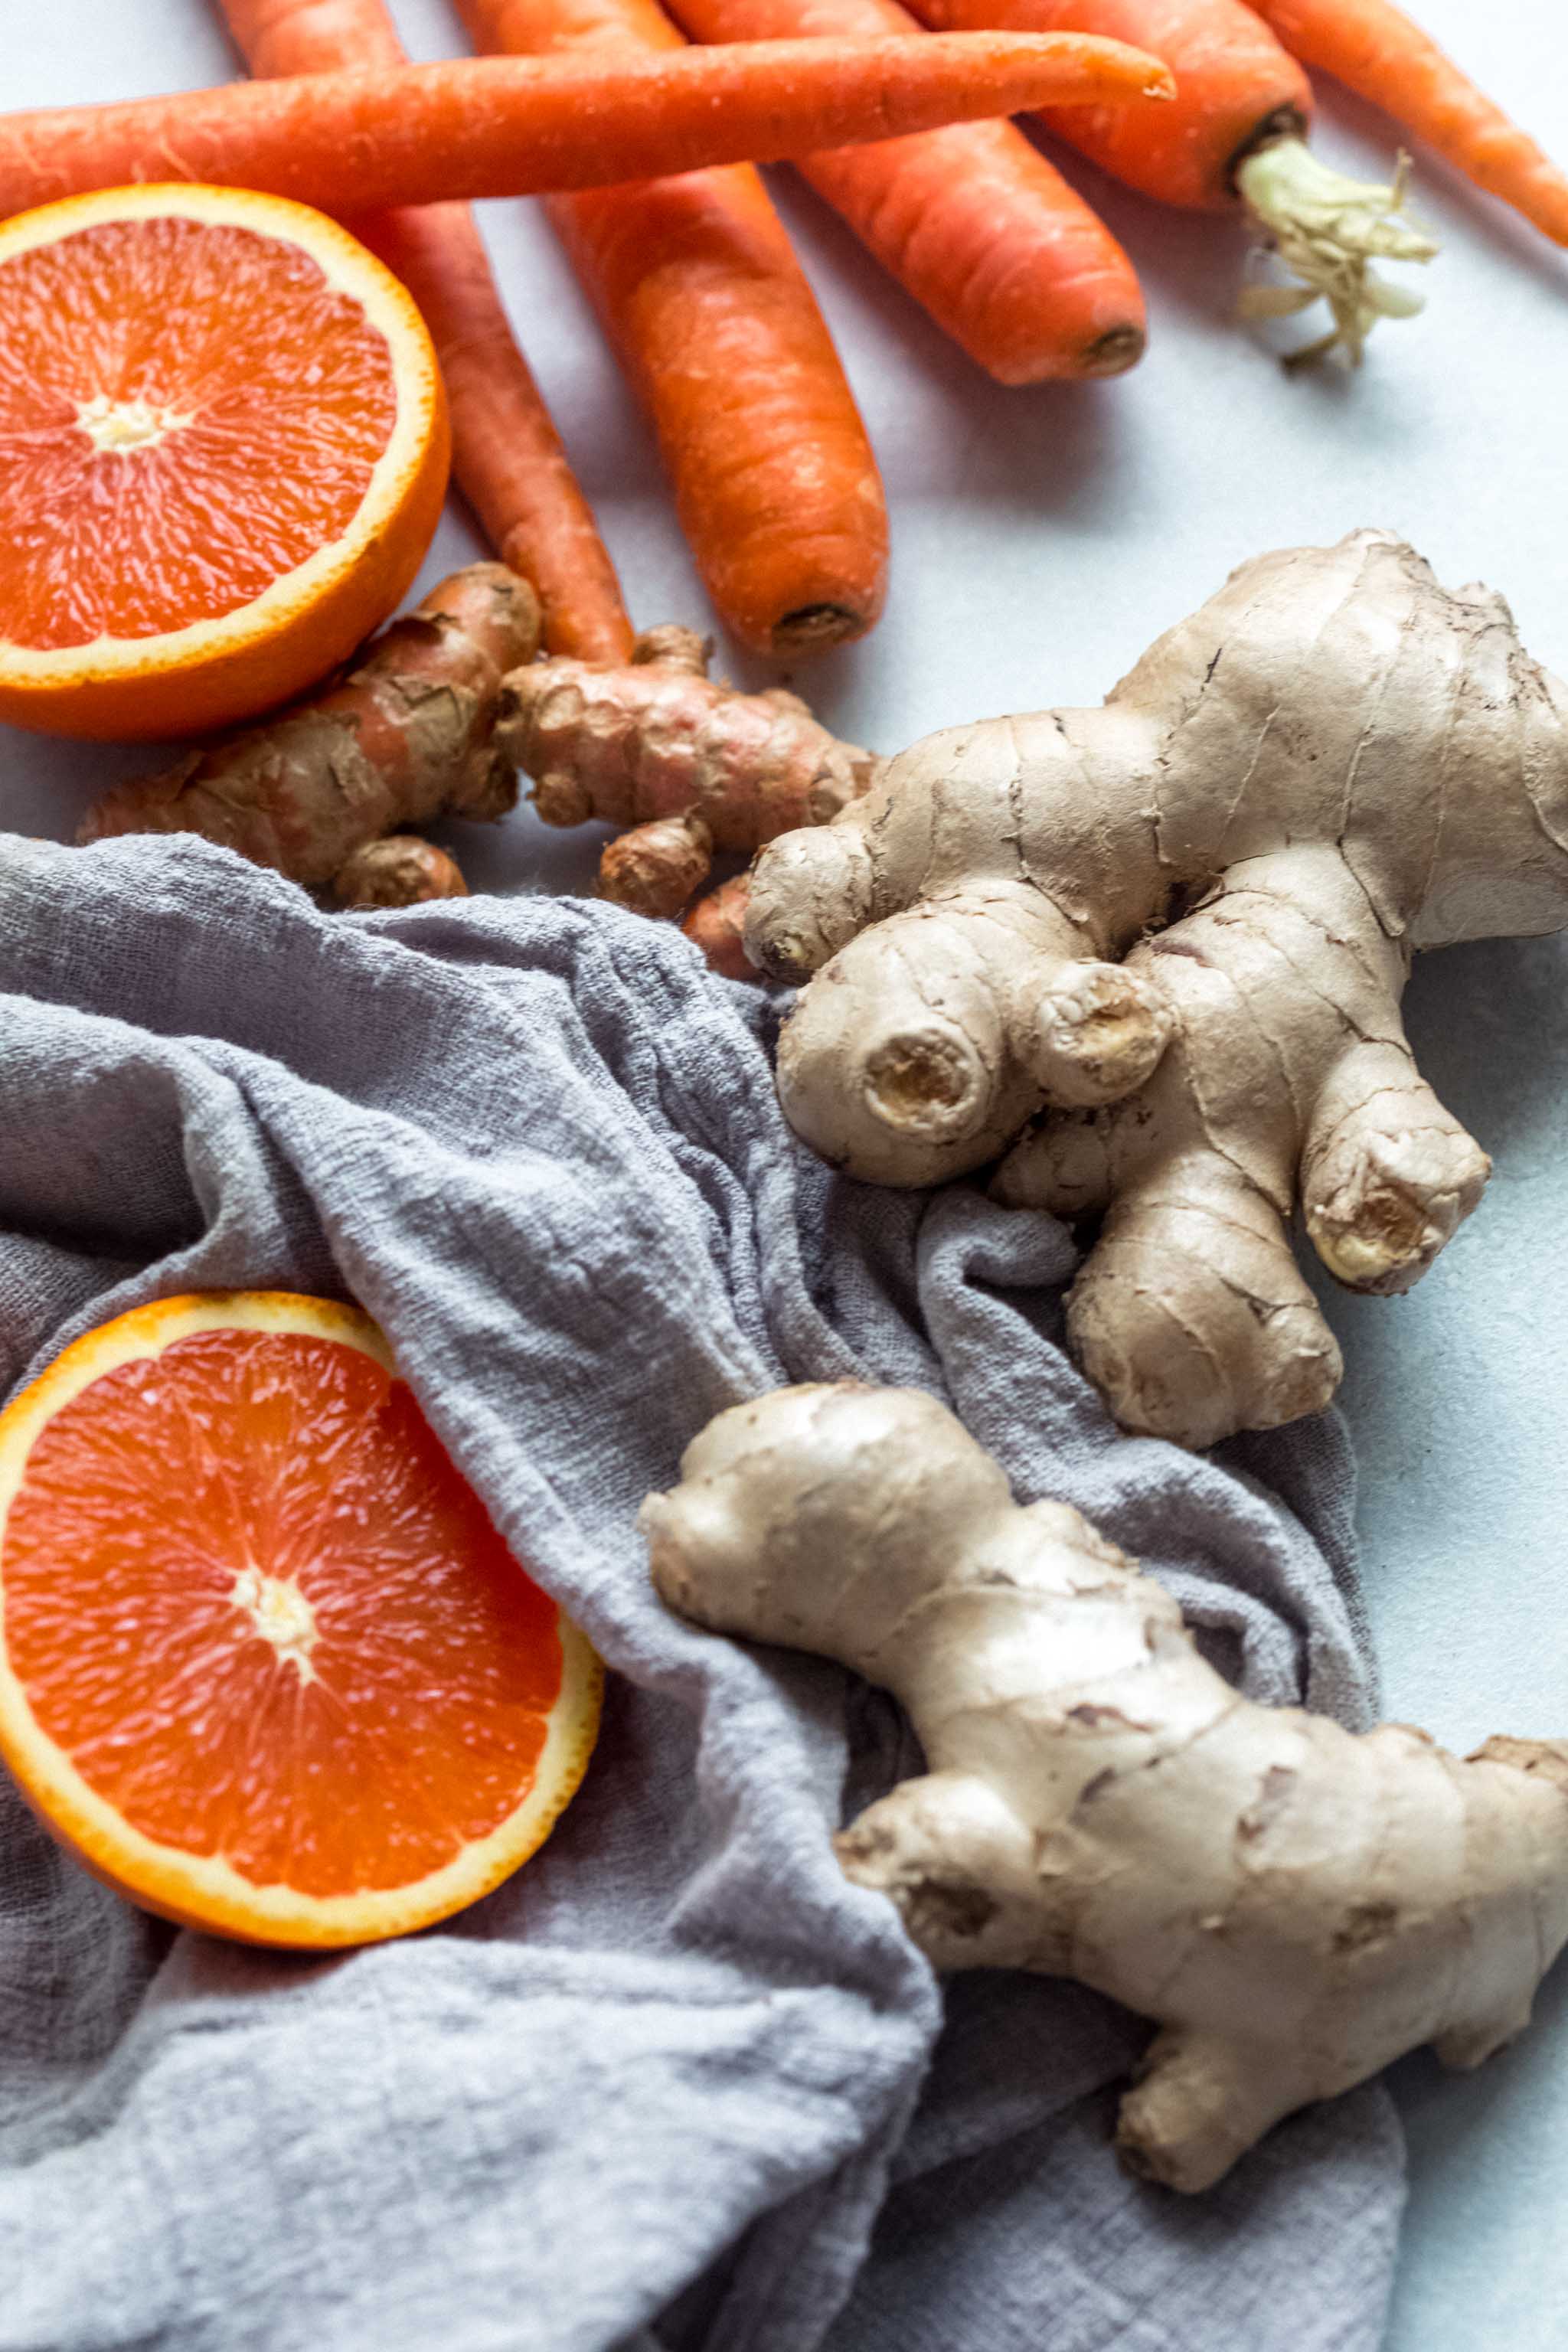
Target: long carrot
505	453
983	232
1376	50
702	298
1237	87
354	143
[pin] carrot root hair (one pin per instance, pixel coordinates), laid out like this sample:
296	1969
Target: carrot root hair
1327	232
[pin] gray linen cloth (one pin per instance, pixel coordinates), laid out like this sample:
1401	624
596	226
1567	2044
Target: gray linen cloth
674	2086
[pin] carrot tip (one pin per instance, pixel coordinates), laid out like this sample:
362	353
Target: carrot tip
815	626
1116	351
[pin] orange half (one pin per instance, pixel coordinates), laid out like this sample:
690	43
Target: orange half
265	1664
223	449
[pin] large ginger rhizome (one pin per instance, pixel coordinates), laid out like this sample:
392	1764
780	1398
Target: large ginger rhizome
1294	1906
1181	925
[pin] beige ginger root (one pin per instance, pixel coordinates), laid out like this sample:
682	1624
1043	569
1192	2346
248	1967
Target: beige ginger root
402	740
1183	922
687	763
1295	1906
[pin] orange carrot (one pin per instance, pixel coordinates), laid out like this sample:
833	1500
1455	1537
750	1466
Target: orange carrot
704	301
509	127
1237	132
1376	50
506	452
983	232
1235	87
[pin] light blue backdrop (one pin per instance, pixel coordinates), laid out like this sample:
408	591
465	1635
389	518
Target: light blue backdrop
1041	539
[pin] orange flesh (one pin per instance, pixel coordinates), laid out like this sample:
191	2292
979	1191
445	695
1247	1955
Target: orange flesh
237	454
251	1597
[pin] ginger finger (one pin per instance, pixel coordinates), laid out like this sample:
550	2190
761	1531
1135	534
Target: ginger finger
1387	1174
1200	2101
971	1010
1097	1031
1191	1315
809	897
1063	1165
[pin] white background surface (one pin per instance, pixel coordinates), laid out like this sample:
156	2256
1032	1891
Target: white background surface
1040	539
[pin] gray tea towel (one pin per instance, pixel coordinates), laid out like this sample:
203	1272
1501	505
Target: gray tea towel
678	2087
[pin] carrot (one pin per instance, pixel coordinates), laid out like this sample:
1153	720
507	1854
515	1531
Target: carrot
1376	50
702	298
983	231
1238	129
505	453
509	127
1237	87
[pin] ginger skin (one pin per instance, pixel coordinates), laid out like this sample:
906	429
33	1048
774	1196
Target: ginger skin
686	762
1294	1906
404	739
1182	923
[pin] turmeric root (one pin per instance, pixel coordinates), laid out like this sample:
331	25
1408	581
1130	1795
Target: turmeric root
687	763
404	739
401	869
1295	1906
445	706
716	925
1184	922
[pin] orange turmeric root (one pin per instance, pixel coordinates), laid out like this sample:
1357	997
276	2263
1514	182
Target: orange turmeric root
716	924
404	739
401	869
440	713
687	763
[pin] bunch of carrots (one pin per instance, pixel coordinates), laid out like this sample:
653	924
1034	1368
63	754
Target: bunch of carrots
692	274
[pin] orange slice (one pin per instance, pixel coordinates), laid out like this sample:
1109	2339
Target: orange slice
265	1664
222	453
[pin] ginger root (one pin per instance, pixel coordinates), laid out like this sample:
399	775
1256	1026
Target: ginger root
687	762
403	739
1184	922
1294	1906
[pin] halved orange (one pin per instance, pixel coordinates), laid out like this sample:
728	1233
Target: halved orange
222	453
265	1664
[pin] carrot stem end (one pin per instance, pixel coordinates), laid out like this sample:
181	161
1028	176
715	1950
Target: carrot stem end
1327	231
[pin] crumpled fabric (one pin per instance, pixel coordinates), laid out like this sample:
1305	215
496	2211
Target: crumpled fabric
678	2086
